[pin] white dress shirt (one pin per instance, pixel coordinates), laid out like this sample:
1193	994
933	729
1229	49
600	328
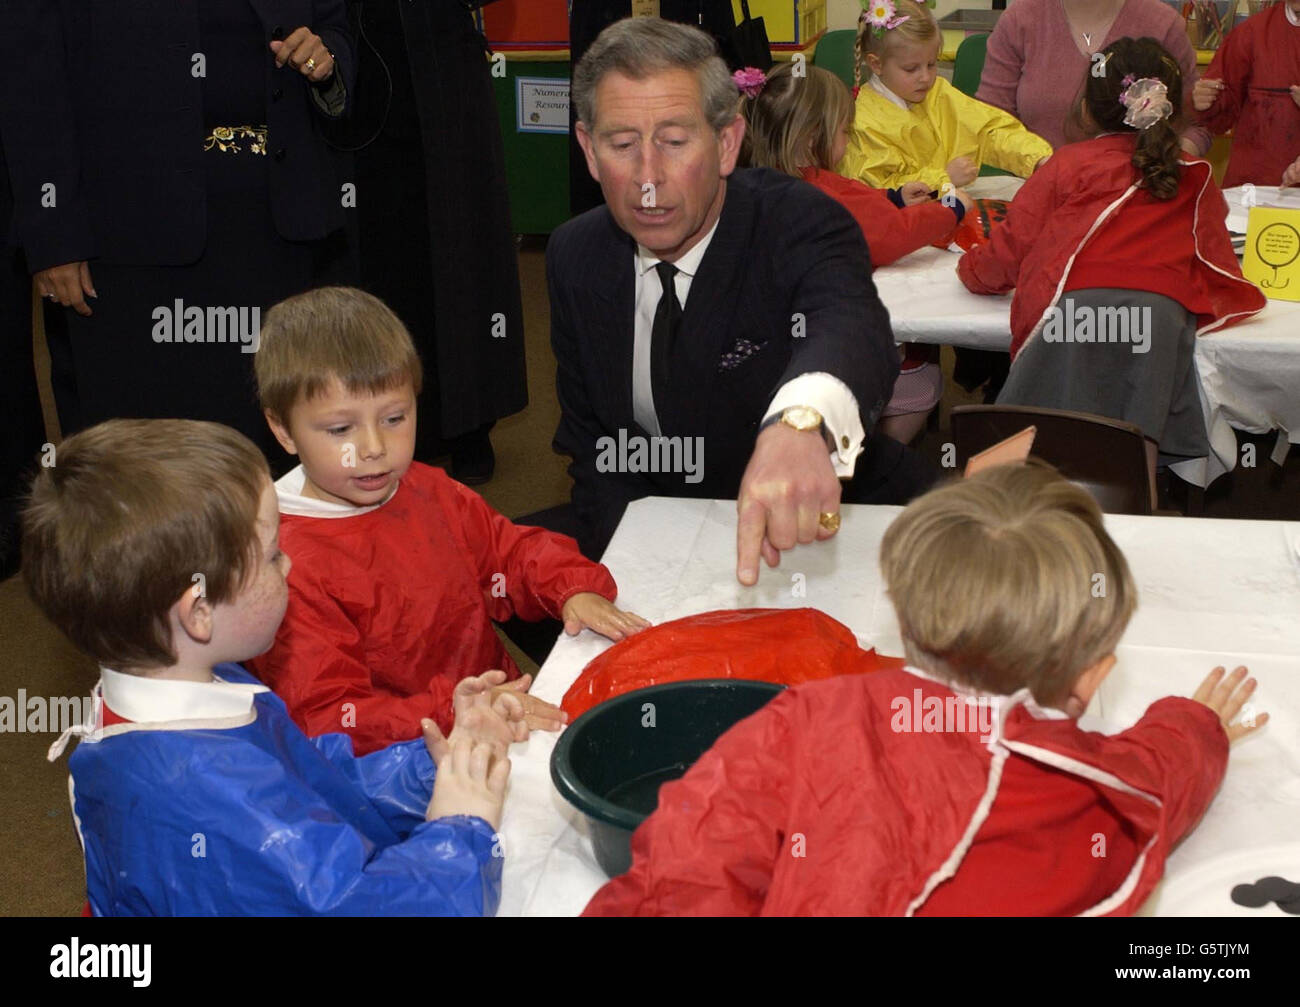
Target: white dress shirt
824	392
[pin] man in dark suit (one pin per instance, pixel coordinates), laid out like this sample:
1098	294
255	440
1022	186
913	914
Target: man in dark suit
762	372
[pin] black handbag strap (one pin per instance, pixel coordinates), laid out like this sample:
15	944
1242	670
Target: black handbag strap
744	10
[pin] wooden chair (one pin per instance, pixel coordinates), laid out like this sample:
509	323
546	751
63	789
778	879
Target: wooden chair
1106	457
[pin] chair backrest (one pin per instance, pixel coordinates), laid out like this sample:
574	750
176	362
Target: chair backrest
1106	457
834	52
968	64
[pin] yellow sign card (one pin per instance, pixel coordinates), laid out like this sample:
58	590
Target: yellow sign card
1272	253
645	8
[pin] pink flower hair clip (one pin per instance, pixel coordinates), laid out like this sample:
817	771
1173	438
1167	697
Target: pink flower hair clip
750	81
881	15
1147	101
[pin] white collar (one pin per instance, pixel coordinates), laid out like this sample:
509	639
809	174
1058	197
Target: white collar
1021	697
1290	16
879	87
289	496
144	700
688	263
162	703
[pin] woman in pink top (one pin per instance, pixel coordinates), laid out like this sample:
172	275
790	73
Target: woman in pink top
1040	51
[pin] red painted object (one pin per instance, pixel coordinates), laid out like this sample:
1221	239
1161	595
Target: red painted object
527	22
976	228
786	646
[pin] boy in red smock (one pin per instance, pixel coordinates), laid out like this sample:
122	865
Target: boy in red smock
399	571
961	785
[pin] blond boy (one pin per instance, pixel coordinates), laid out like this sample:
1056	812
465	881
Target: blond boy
960	785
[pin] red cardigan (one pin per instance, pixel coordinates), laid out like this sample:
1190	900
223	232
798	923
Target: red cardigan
820	805
1083	211
891	231
1263	51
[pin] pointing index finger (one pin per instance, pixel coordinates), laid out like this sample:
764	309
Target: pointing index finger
750	531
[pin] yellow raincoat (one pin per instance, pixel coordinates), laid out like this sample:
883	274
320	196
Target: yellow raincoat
889	145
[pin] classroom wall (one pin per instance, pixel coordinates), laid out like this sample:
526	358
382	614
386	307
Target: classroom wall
844	13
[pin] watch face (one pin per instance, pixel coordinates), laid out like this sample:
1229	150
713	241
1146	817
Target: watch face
802	418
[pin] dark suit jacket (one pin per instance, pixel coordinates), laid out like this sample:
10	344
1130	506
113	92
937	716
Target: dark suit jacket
781	248
99	99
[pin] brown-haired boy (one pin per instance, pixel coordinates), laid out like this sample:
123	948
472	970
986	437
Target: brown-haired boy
153	544
961	785
399	571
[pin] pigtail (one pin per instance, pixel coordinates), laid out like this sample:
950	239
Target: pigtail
1156	159
860	50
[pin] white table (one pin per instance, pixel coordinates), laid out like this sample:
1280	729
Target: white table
1249	373
1211	592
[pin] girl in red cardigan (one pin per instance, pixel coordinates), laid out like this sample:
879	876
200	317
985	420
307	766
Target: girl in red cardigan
799	124
1119	256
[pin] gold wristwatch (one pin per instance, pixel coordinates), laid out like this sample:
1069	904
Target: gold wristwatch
804	419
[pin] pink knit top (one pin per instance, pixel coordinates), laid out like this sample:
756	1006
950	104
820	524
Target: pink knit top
1035	71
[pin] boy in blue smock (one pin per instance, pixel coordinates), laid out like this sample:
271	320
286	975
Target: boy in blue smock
153	545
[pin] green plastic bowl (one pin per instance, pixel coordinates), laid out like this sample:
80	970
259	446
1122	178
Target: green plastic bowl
611	761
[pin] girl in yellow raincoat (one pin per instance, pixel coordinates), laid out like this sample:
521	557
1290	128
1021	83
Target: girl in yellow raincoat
909	123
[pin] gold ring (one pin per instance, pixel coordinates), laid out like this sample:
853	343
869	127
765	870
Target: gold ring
831	522
310	64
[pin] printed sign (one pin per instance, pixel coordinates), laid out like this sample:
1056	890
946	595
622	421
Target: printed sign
1272	252
541	105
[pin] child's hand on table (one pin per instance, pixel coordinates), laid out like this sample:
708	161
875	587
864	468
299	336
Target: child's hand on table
589	610
1206	92
1292	174
962	171
538	715
914	193
1226	696
470	781
480	715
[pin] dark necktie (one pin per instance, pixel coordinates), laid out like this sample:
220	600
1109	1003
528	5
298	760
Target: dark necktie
663	339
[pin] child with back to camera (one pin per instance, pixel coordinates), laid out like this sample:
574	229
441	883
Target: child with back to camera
798	123
1120	257
153	545
910	123
961	784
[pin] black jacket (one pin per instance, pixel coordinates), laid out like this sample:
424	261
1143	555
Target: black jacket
100	101
781	248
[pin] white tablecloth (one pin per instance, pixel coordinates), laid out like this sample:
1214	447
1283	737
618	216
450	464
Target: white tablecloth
1250	373
1212	592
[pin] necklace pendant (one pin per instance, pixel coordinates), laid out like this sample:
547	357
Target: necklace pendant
1087	39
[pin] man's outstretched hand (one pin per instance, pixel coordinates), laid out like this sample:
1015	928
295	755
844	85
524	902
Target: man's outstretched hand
787	485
